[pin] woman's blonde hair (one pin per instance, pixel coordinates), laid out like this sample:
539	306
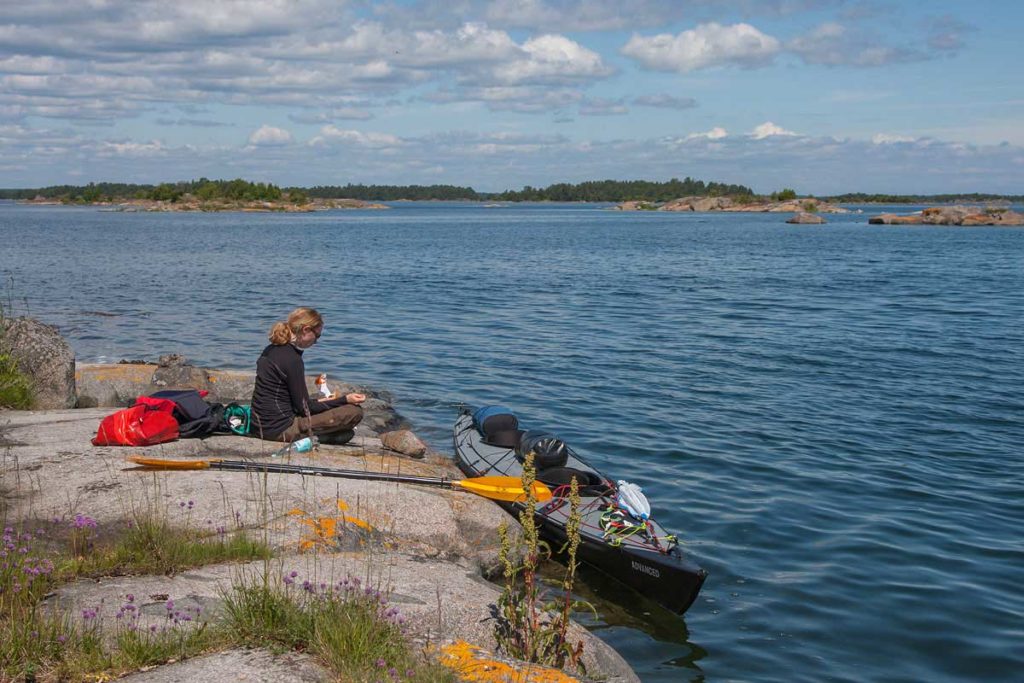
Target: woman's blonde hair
282	332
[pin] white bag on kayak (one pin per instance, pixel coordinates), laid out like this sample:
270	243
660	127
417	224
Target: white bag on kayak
631	498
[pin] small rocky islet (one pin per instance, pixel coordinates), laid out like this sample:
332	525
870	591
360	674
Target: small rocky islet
807	211
952	215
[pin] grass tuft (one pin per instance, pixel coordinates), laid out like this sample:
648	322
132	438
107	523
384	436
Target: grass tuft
350	628
15	388
151	545
38	642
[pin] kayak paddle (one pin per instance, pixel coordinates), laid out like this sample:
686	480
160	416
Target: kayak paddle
508	489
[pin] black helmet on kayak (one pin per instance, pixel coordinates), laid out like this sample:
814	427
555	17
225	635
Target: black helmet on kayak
548	450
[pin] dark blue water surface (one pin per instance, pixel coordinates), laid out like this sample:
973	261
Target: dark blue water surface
831	416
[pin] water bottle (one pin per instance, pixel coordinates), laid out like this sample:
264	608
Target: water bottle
631	499
303	445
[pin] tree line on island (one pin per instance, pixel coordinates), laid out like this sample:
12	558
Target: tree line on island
239	190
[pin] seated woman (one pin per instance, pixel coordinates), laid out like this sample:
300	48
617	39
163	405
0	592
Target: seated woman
281	407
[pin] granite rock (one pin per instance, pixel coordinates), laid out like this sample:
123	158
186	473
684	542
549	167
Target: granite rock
45	358
804	218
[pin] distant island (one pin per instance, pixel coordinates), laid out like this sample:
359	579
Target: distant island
199	195
687	194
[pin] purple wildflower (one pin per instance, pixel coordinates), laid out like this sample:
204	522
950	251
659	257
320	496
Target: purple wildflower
83	522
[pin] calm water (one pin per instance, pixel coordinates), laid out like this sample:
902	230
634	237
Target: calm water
831	416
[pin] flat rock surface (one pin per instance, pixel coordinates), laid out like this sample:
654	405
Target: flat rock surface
236	666
426	547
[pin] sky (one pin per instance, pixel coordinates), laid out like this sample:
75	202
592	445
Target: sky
822	96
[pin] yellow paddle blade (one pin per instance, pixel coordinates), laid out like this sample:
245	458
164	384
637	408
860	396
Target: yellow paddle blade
509	489
161	464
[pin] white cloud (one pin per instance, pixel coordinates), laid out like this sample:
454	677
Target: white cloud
816	165
583	15
883	139
706	46
833	44
334	134
130	148
551	59
518	98
716	133
470	43
335	114
769	129
269	135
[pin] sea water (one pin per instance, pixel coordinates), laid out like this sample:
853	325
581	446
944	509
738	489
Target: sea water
831	417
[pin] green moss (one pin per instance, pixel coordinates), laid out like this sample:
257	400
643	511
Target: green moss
15	388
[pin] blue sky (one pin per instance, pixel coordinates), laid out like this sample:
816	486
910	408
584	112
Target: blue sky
824	96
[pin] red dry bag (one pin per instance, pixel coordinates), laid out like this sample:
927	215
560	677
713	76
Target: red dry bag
136	426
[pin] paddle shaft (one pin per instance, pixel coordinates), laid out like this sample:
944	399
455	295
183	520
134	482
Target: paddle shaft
281	468
496	488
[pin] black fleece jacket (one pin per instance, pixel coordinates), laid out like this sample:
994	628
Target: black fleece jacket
280	394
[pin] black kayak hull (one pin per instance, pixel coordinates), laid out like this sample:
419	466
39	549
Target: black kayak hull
668	578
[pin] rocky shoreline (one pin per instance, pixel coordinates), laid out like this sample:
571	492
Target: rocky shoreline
808	211
729	205
429	549
952	215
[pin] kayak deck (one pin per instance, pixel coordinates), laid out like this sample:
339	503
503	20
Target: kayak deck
647	559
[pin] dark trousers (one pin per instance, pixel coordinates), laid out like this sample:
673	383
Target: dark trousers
340	419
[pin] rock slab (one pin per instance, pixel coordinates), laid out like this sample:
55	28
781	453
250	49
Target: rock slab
804	218
427	548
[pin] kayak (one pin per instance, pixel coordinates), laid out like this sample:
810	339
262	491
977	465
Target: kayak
637	552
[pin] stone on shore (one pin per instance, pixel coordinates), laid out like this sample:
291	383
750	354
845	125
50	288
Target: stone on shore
45	358
405	442
804	218
895	219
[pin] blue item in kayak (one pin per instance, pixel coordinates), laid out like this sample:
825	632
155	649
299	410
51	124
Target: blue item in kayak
497	425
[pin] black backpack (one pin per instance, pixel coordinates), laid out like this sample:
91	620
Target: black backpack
196	418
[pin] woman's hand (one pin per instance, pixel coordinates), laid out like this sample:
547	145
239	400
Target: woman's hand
355	398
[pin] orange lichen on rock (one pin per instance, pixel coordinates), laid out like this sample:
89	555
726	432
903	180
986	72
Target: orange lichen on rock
325	529
472	663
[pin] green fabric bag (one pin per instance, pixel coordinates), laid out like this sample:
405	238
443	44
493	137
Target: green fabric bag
238	418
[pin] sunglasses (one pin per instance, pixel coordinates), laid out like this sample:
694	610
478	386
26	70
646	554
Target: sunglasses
315	333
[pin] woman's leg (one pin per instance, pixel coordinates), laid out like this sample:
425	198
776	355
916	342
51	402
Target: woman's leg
340	419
